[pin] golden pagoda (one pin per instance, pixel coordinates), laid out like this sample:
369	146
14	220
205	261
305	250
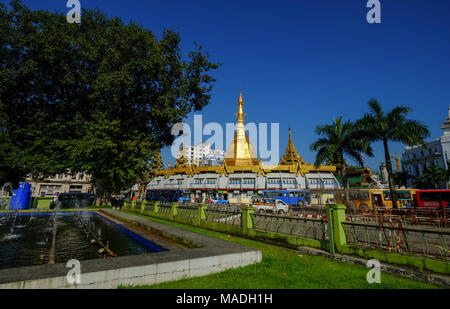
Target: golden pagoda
241	151
291	156
181	160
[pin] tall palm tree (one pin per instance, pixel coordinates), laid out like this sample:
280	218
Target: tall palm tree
422	182
401	178
432	176
391	127
337	141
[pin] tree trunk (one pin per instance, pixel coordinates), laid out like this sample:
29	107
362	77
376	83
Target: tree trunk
102	197
346	186
390	175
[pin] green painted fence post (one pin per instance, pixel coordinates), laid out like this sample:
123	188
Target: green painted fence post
133	204
247	220
330	229
338	217
174	210
156	207
202	213
143	204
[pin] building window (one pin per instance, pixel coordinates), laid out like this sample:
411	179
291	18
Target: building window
289	181
274	181
75	188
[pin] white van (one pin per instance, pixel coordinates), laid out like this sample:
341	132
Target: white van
270	205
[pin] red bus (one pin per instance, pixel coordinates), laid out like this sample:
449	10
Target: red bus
431	198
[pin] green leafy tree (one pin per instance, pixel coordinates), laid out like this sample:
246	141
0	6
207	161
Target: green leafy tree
96	97
155	164
431	177
422	182
337	141
392	126
401	178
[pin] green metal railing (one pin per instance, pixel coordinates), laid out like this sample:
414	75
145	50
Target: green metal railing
303	227
188	211
224	216
432	243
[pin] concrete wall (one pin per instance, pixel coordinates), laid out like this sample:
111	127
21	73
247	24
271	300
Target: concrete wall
145	274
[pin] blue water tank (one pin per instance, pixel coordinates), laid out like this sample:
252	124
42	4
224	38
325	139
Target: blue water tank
21	197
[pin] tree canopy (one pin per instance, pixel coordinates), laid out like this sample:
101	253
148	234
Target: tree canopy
432	177
392	126
96	97
337	141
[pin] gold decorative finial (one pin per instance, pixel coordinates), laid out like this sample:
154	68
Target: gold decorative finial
241	100
240	114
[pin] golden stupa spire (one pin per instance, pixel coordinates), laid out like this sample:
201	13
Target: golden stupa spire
290	156
241	152
240	114
181	160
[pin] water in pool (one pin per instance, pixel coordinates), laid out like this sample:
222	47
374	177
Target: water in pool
26	239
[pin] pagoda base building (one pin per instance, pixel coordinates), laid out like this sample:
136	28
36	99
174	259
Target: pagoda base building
242	175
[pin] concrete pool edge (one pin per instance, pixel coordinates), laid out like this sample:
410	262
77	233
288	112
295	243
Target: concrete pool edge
213	255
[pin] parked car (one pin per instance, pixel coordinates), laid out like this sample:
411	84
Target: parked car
217	201
184	199
268	205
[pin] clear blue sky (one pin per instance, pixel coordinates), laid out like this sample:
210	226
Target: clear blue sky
303	63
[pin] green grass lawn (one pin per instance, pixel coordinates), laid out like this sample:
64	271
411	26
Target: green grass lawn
283	268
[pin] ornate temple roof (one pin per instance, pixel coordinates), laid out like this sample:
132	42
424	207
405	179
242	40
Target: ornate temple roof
291	156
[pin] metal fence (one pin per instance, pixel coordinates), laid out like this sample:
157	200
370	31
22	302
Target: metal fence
138	205
303	227
149	206
165	209
224	216
188	211
394	237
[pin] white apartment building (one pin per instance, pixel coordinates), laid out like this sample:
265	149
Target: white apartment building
202	155
416	159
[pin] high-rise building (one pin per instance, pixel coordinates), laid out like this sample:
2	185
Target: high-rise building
416	159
